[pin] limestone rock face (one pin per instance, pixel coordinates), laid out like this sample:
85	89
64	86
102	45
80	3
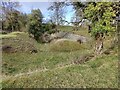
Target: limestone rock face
46	38
69	36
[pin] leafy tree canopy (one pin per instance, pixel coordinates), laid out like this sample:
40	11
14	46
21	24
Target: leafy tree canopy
101	15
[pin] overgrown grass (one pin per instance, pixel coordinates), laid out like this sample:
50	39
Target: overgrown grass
23	62
81	30
101	72
66	46
66	28
11	35
7	36
86	75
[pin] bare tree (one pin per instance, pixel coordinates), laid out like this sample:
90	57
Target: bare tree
8	7
76	20
57	13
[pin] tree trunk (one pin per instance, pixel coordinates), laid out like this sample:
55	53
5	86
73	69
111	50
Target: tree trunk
12	28
99	44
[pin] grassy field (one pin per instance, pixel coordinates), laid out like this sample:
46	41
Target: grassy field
56	69
101	73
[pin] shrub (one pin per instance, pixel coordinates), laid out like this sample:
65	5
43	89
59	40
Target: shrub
66	46
35	24
49	28
36	27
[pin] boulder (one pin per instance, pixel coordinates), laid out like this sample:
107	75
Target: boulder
59	35
34	51
46	38
69	36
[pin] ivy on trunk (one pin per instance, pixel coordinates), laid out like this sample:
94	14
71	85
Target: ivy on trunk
101	16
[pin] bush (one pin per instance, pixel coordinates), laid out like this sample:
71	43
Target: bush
49	28
36	27
35	24
66	46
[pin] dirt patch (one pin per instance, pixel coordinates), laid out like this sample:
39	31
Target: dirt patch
83	59
18	45
8	49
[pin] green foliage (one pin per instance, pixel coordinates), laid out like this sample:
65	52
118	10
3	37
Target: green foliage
23	19
49	28
37	28
11	17
35	24
101	15
12	21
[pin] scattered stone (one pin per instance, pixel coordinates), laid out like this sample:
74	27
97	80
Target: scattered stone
34	51
79	41
31	36
46	38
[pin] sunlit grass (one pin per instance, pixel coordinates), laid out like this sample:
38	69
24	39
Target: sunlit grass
7	36
66	46
86	75
100	72
10	35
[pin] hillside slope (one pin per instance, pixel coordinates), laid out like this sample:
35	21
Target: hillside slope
47	68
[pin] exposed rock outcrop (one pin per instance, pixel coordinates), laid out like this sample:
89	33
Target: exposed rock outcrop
69	36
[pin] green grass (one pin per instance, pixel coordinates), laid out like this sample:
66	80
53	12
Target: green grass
66	28
58	68
66	46
84	75
81	30
23	62
7	36
10	35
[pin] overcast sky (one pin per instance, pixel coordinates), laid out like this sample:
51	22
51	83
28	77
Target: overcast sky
43	6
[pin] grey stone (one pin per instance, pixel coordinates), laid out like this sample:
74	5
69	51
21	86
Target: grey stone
70	36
